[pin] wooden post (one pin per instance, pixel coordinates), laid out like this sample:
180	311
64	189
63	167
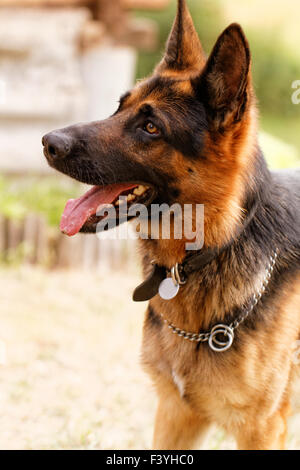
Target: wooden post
3	237
146	4
30	237
113	15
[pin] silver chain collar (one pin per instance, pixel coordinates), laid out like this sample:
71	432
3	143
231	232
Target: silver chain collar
226	330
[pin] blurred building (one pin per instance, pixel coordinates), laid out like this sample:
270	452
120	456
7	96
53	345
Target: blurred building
63	61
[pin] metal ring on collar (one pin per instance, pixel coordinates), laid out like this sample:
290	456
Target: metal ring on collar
220	346
176	275
173	275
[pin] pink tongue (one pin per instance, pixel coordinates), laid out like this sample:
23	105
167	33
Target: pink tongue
77	211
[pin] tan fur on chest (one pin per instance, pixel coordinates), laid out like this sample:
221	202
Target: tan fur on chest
233	387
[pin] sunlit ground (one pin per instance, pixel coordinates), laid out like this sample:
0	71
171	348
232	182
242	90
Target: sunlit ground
72	378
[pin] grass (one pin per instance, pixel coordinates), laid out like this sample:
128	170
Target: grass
46	196
72	378
278	154
283	127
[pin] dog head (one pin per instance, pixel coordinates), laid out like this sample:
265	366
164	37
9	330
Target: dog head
184	135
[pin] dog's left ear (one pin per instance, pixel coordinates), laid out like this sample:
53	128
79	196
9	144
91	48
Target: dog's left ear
224	83
184	51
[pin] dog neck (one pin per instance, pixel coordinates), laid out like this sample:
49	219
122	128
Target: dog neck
168	252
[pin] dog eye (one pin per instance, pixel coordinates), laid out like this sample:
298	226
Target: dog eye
151	128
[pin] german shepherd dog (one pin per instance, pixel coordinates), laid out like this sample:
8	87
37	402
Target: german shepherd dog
223	349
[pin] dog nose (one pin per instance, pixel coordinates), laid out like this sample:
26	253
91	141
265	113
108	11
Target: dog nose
56	145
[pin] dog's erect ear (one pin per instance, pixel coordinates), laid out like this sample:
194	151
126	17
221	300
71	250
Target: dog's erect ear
184	51
224	81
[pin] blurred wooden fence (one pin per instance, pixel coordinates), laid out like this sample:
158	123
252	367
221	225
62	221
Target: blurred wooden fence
31	241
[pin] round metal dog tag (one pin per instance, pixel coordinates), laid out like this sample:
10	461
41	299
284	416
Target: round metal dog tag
168	289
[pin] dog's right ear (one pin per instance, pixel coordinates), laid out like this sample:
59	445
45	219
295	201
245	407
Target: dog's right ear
224	83
184	53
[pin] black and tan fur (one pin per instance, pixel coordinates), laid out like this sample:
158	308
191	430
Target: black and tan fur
207	152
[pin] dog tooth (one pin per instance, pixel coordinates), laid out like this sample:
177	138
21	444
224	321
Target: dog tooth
130	197
139	190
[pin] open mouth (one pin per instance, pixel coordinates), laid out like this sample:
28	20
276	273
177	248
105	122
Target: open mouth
80	215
